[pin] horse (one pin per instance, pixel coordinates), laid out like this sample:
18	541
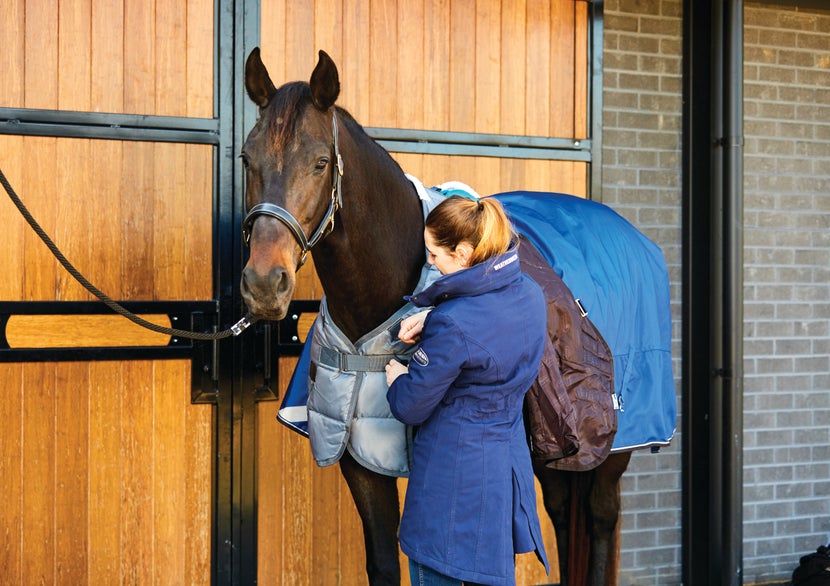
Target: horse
317	183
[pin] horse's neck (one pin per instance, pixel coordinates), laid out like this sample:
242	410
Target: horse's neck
374	256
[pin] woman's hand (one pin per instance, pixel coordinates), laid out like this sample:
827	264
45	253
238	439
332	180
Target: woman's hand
412	326
393	370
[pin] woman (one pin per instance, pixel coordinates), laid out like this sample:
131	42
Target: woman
470	502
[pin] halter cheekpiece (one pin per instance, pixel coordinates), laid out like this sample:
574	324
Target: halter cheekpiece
326	224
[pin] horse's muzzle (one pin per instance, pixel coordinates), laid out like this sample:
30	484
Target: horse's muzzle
267	296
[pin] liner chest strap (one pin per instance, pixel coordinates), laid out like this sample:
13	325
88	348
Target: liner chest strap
353	362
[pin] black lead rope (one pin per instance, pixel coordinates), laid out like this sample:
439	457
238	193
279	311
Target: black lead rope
234	330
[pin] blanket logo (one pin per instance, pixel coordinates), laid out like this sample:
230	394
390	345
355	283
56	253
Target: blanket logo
421	357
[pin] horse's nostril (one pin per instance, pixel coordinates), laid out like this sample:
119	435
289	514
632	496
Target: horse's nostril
283	281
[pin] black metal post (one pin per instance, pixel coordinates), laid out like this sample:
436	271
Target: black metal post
712	292
234	551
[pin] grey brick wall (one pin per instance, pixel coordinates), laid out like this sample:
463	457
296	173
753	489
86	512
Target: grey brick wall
786	287
787	271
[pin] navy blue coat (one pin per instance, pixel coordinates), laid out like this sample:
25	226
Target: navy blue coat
470	501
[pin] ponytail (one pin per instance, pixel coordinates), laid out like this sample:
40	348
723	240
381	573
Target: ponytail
482	223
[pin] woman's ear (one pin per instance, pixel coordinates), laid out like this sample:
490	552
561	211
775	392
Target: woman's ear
463	253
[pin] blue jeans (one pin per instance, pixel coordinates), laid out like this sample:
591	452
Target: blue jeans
420	575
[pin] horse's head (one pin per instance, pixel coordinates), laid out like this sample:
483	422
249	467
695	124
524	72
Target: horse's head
293	171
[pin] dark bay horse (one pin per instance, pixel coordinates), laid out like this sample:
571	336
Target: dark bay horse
316	182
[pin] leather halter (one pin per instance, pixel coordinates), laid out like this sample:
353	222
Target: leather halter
326	224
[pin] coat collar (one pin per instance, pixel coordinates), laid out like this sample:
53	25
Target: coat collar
492	274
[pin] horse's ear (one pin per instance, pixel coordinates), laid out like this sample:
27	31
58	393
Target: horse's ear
258	83
325	83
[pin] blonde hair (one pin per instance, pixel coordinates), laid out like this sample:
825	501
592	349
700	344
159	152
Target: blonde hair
482	223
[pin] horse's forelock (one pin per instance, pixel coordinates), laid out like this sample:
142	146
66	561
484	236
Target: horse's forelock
285	111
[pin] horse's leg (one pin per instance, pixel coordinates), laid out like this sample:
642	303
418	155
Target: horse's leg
604	504
556	495
376	498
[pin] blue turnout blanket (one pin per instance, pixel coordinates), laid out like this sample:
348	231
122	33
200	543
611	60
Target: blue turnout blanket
621	281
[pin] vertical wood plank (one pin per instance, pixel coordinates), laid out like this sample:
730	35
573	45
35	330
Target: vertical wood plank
269	488
74	52
137	504
40	272
168	221
170	70
139	57
437	64
354	68
538	176
41	55
38	474
199	444
326	512
513	74
199	52
538	69
462	80
71	232
383	63
328	18
512	174
107	57
71	473
272	38
412	61
137	246
562	67
14	226
296	510
168	470
300	52
11	467
12	58
105	490
103	208
196	211
488	68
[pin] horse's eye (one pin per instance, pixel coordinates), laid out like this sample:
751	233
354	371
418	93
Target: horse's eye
322	163
245	162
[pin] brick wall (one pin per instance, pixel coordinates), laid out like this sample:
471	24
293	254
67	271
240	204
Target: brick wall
787	270
786	287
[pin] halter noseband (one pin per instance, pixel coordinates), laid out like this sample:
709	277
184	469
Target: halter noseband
326	224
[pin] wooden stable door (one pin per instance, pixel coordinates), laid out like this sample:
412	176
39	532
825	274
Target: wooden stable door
105	465
500	67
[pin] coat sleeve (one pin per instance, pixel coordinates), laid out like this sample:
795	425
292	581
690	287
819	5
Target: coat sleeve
432	369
